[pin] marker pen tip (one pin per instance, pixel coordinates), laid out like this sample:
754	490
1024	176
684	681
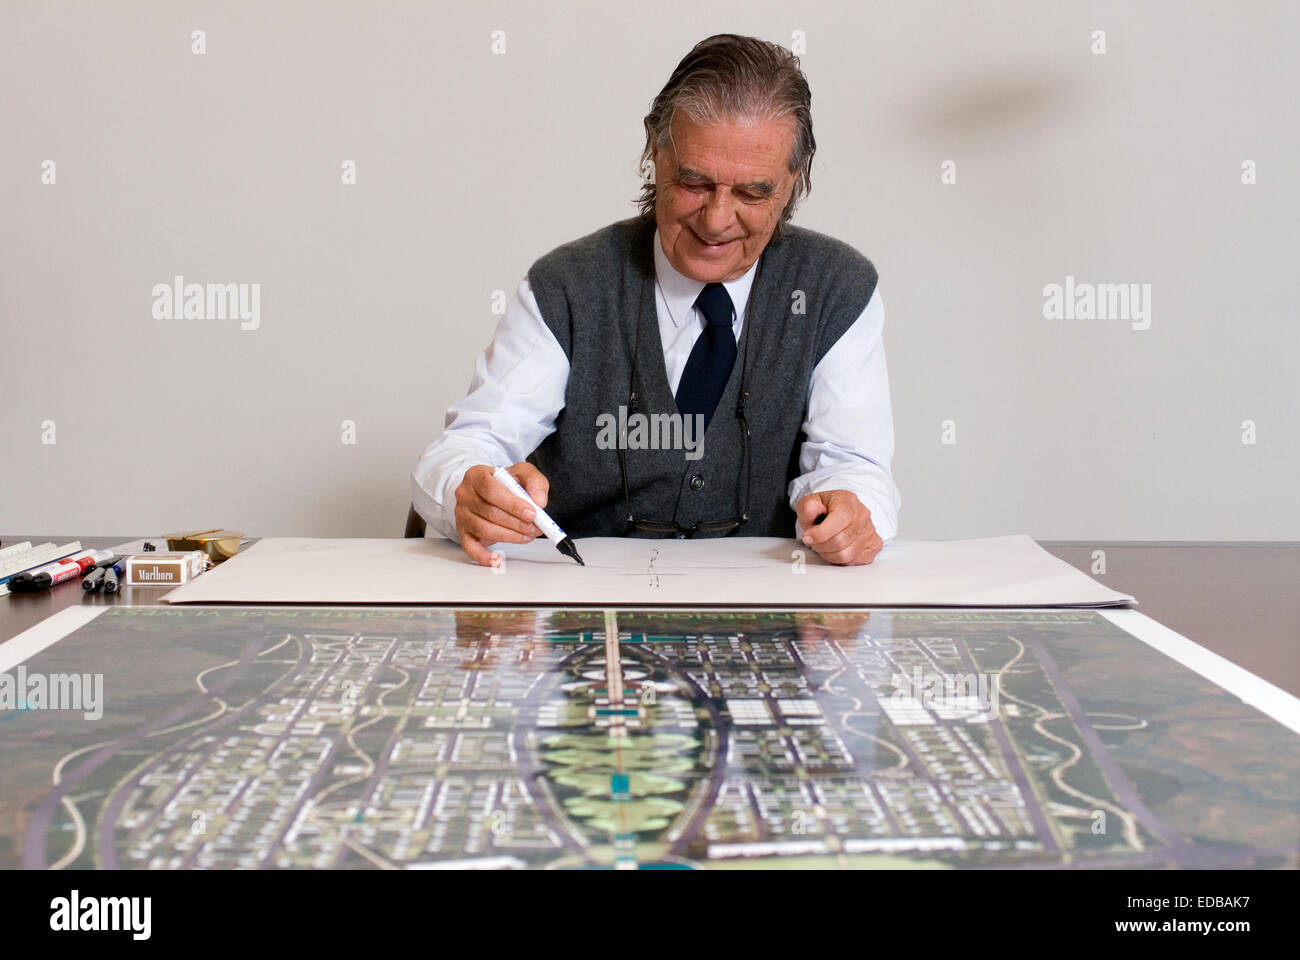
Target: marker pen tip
567	548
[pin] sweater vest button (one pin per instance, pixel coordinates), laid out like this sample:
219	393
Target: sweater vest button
697	482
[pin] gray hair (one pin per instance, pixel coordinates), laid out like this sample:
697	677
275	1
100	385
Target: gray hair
738	78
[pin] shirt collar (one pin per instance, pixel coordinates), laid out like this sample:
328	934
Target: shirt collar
680	291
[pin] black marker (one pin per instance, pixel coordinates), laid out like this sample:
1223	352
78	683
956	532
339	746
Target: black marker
94	577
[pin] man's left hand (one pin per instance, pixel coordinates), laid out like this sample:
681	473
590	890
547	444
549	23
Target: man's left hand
847	536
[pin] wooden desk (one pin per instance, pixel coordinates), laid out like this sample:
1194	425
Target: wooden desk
1241	600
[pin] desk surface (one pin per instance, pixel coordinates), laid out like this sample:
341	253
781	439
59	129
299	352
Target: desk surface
1238	599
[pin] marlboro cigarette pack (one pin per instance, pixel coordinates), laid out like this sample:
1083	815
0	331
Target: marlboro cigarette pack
163	569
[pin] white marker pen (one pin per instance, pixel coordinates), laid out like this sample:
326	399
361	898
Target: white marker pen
563	542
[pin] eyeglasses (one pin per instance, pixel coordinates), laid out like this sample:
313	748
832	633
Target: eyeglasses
743	481
702	526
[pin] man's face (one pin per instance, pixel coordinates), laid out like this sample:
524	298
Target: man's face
720	190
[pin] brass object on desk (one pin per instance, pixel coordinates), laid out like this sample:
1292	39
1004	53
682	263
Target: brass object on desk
217	544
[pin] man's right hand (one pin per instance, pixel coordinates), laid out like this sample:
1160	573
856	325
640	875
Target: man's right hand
488	513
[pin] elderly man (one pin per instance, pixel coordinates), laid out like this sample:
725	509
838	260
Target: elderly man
710	307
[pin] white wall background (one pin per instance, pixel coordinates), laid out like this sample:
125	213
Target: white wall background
225	167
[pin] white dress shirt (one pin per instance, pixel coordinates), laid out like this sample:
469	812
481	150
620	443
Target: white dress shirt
517	392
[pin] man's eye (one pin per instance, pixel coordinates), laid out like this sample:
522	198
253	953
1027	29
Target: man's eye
694	185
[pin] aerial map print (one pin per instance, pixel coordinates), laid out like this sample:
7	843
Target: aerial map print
283	737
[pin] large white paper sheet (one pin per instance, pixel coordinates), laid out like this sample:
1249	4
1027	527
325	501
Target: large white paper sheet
739	571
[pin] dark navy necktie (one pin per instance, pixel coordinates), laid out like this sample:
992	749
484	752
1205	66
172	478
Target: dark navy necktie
709	365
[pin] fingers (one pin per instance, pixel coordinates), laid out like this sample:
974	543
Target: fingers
840	528
861	551
484	489
810	508
487	513
487	530
846	536
494	515
532	480
477	552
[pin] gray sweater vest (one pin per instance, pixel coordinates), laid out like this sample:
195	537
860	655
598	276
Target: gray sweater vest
597	296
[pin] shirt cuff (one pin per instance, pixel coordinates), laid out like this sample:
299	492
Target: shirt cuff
433	494
875	490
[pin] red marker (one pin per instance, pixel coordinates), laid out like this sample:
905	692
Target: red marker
57	572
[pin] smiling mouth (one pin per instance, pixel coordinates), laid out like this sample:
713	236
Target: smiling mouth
709	243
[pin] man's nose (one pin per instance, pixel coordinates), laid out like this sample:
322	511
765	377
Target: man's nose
718	212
